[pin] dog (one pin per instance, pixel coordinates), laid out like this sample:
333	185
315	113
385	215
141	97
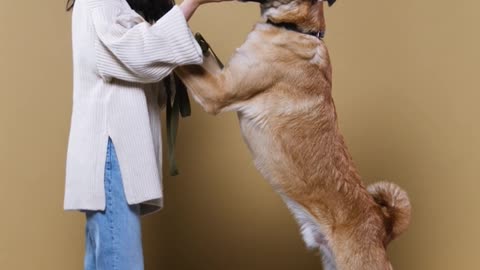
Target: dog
279	82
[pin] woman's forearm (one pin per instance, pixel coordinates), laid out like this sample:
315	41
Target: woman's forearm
188	7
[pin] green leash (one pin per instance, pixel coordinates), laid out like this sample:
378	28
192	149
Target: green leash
180	107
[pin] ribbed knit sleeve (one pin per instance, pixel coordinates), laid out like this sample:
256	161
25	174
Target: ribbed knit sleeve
131	49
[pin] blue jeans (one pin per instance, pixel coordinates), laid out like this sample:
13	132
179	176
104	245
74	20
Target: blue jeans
113	236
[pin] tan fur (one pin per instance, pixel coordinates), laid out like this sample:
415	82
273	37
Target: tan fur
279	82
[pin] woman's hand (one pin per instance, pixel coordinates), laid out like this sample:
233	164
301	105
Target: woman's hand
188	7
201	2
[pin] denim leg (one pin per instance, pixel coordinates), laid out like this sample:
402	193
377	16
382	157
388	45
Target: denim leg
113	237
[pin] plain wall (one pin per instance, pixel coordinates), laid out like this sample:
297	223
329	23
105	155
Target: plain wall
406	86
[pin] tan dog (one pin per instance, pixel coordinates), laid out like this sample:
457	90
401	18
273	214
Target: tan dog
279	81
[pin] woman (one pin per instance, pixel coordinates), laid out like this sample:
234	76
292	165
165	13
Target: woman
113	162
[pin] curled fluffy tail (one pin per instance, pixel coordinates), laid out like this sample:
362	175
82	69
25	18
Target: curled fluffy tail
395	205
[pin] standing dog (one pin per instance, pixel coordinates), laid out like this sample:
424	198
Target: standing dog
279	81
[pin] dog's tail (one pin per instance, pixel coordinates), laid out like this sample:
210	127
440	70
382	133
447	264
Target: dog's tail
395	205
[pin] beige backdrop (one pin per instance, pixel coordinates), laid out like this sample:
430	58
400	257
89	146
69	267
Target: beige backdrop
407	92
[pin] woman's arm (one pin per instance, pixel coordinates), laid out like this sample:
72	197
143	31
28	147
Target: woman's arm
188	7
131	49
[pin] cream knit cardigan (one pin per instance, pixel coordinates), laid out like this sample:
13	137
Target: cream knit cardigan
118	60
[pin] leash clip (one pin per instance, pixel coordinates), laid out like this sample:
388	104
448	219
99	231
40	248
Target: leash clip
206	48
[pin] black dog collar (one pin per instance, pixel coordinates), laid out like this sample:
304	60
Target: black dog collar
294	27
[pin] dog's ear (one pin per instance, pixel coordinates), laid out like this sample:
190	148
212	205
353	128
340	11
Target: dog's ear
331	2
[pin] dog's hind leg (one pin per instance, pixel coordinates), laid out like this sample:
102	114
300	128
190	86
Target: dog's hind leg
312	233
